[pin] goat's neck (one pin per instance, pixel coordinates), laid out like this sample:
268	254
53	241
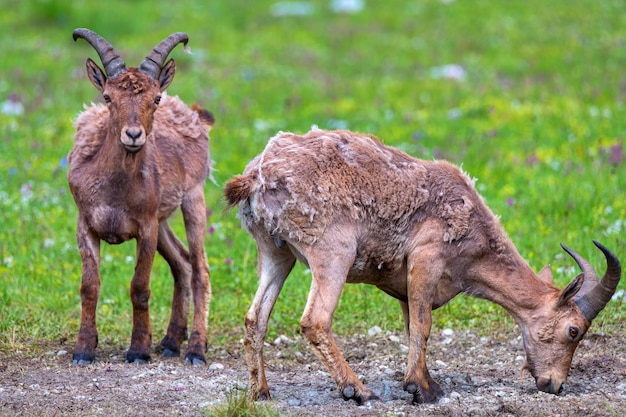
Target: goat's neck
117	159
516	288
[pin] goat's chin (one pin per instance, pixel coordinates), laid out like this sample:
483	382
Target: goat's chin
132	149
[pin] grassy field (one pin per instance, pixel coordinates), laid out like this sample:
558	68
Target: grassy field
529	96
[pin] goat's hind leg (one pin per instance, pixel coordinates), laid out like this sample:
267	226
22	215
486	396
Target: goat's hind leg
194	215
177	256
329	275
274	265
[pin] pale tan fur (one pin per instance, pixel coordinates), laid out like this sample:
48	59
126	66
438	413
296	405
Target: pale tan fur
357	211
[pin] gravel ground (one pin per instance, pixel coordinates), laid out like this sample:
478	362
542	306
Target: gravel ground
480	375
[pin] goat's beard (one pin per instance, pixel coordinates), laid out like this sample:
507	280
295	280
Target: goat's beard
525	367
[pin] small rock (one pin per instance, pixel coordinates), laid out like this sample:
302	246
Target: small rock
393	338
62	352
374	331
282	339
441	363
454	395
447	332
216	367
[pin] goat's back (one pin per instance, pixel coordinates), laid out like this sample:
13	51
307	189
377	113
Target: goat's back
301	185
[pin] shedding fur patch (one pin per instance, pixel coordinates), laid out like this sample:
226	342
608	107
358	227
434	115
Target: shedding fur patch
323	185
307	183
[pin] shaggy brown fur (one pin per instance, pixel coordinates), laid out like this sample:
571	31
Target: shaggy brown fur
355	210
134	162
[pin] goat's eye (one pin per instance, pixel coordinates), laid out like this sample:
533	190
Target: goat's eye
107	98
573	332
157	100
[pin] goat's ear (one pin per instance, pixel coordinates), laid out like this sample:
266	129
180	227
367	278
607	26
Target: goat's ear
571	290
95	74
167	74
546	274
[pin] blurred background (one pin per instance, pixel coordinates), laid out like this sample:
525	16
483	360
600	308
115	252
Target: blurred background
527	95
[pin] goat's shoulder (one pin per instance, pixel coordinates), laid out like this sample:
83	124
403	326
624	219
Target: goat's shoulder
91	128
177	121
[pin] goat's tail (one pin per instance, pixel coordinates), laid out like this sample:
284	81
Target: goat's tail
239	189
206	117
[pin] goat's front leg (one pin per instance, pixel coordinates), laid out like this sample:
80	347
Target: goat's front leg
328	280
89	246
194	214
177	256
274	266
141	339
422	282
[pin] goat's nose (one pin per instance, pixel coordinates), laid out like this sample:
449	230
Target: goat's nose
133	133
549	385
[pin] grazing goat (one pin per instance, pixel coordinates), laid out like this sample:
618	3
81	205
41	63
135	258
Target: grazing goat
354	210
134	162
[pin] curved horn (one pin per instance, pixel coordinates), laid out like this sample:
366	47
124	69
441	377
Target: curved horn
153	63
591	277
113	64
593	298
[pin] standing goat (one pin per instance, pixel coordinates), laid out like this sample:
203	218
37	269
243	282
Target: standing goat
354	210
134	162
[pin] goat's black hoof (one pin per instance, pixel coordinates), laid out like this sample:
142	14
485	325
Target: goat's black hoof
425	397
371	402
195	359
83	359
137	358
169	353
138	361
411	388
263	396
368	401
348	392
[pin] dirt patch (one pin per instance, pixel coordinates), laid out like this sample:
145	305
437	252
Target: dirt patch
480	376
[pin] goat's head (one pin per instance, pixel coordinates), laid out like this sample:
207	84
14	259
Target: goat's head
132	95
552	333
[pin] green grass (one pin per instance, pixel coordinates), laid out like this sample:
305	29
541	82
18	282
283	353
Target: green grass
539	120
239	404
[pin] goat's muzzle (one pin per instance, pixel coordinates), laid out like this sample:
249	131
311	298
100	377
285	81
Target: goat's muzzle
133	139
549	385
